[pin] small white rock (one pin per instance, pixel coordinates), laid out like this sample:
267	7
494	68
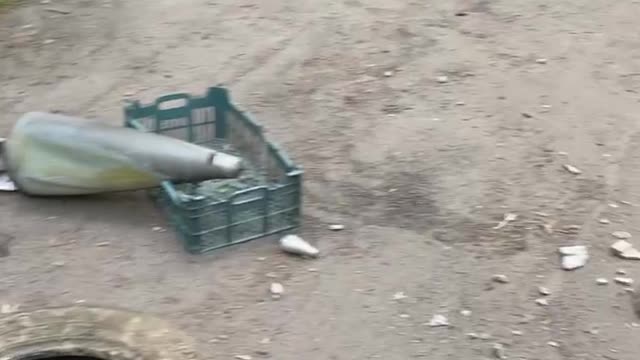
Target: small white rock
541	61
336	227
602	281
442	79
626	281
517	332
572	169
276	290
621	272
388	73
623	235
573	257
604	221
439	320
625	250
243	357
544	291
542	302
399	296
296	245
58	263
48	42
465	312
614	206
8	308
553	344
500	278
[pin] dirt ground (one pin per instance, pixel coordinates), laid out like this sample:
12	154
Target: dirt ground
418	167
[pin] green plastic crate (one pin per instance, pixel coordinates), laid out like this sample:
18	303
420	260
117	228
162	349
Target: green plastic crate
210	215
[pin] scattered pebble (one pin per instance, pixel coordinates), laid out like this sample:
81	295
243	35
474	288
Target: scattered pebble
526	115
621	272
157	229
629	290
602	281
103	244
276	290
541	61
614	206
48	42
544	291
498	351
626	281
336	227
542	302
507	218
500	278
517	332
388	73
460	103
623	249
442	79
439	320
405	316
553	344
572	169
573	257
399	296
58	263
265	341
243	357
465	313
621	235
604	221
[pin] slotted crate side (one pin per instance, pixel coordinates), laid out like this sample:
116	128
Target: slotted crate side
266	209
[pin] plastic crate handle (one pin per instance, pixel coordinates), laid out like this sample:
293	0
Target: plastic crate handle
172	97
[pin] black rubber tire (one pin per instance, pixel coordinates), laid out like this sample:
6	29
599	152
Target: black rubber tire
89	331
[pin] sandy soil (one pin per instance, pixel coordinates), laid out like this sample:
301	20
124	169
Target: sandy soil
419	169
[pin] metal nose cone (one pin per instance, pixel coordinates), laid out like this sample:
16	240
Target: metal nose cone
229	166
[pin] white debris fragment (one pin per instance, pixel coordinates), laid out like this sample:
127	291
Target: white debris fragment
157	229
573	257
621	235
500	278
572	169
516	332
553	344
541	60
542	302
405	316
8	308
442	79
602	281
438	320
296	245
498	351
604	221
614	206
544	291
625	250
276	290
508	217
58	263
336	227
399	296
388	73
465	313
626	281
621	272
243	357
